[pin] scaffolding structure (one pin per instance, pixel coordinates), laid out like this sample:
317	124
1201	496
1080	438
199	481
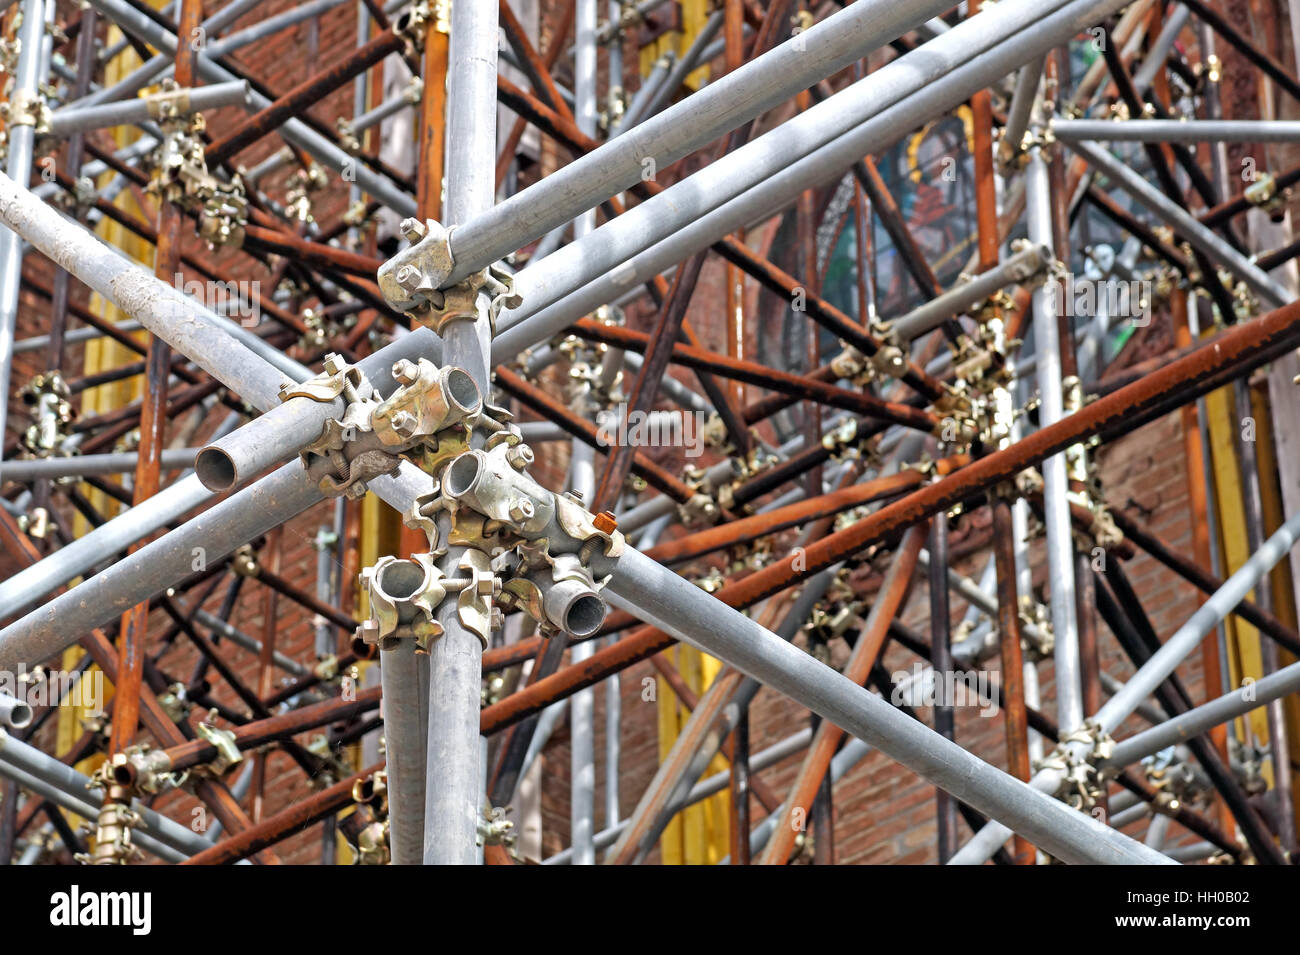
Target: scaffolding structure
435	377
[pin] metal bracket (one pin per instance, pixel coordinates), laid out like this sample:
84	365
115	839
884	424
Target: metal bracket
113	827
338	378
1012	157
460	301
169	105
228	753
150	770
1036	636
409	26
552	539
474	603
1264	194
413	280
174	703
26	108
404	598
421	516
371	434
1080	785
301	184
181	176
50	401
494	829
244	561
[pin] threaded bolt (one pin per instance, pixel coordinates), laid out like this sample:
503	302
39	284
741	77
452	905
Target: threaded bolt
408	277
404	423
413	229
520	456
405	371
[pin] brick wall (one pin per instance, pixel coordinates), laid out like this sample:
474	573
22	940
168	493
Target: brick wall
883	812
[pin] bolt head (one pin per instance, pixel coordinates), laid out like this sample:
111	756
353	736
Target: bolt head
522	510
413	229
893	359
404	423
408	277
405	371
520	456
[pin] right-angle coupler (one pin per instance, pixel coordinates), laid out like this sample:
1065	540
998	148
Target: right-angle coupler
554	537
430	399
404	596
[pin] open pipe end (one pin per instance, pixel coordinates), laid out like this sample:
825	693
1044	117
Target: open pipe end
399	580
584	615
18	715
462	391
216	469
365	792
462	474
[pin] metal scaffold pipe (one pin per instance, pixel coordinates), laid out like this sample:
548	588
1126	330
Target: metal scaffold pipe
60	777
1020	268
1056	487
453	797
1201	238
294	131
655	143
1156	670
21	134
218	345
83	464
685	611
1189	131
631	250
161	64
1196	721
65	122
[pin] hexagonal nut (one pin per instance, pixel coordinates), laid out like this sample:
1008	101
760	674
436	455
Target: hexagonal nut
605	522
522	510
368	631
413	229
520	456
408	277
892	358
404	423
334	364
405	371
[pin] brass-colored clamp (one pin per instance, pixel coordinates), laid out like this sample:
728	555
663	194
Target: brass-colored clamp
228	753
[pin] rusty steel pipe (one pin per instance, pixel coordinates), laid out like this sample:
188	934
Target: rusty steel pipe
299	816
304	95
889	603
801	387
